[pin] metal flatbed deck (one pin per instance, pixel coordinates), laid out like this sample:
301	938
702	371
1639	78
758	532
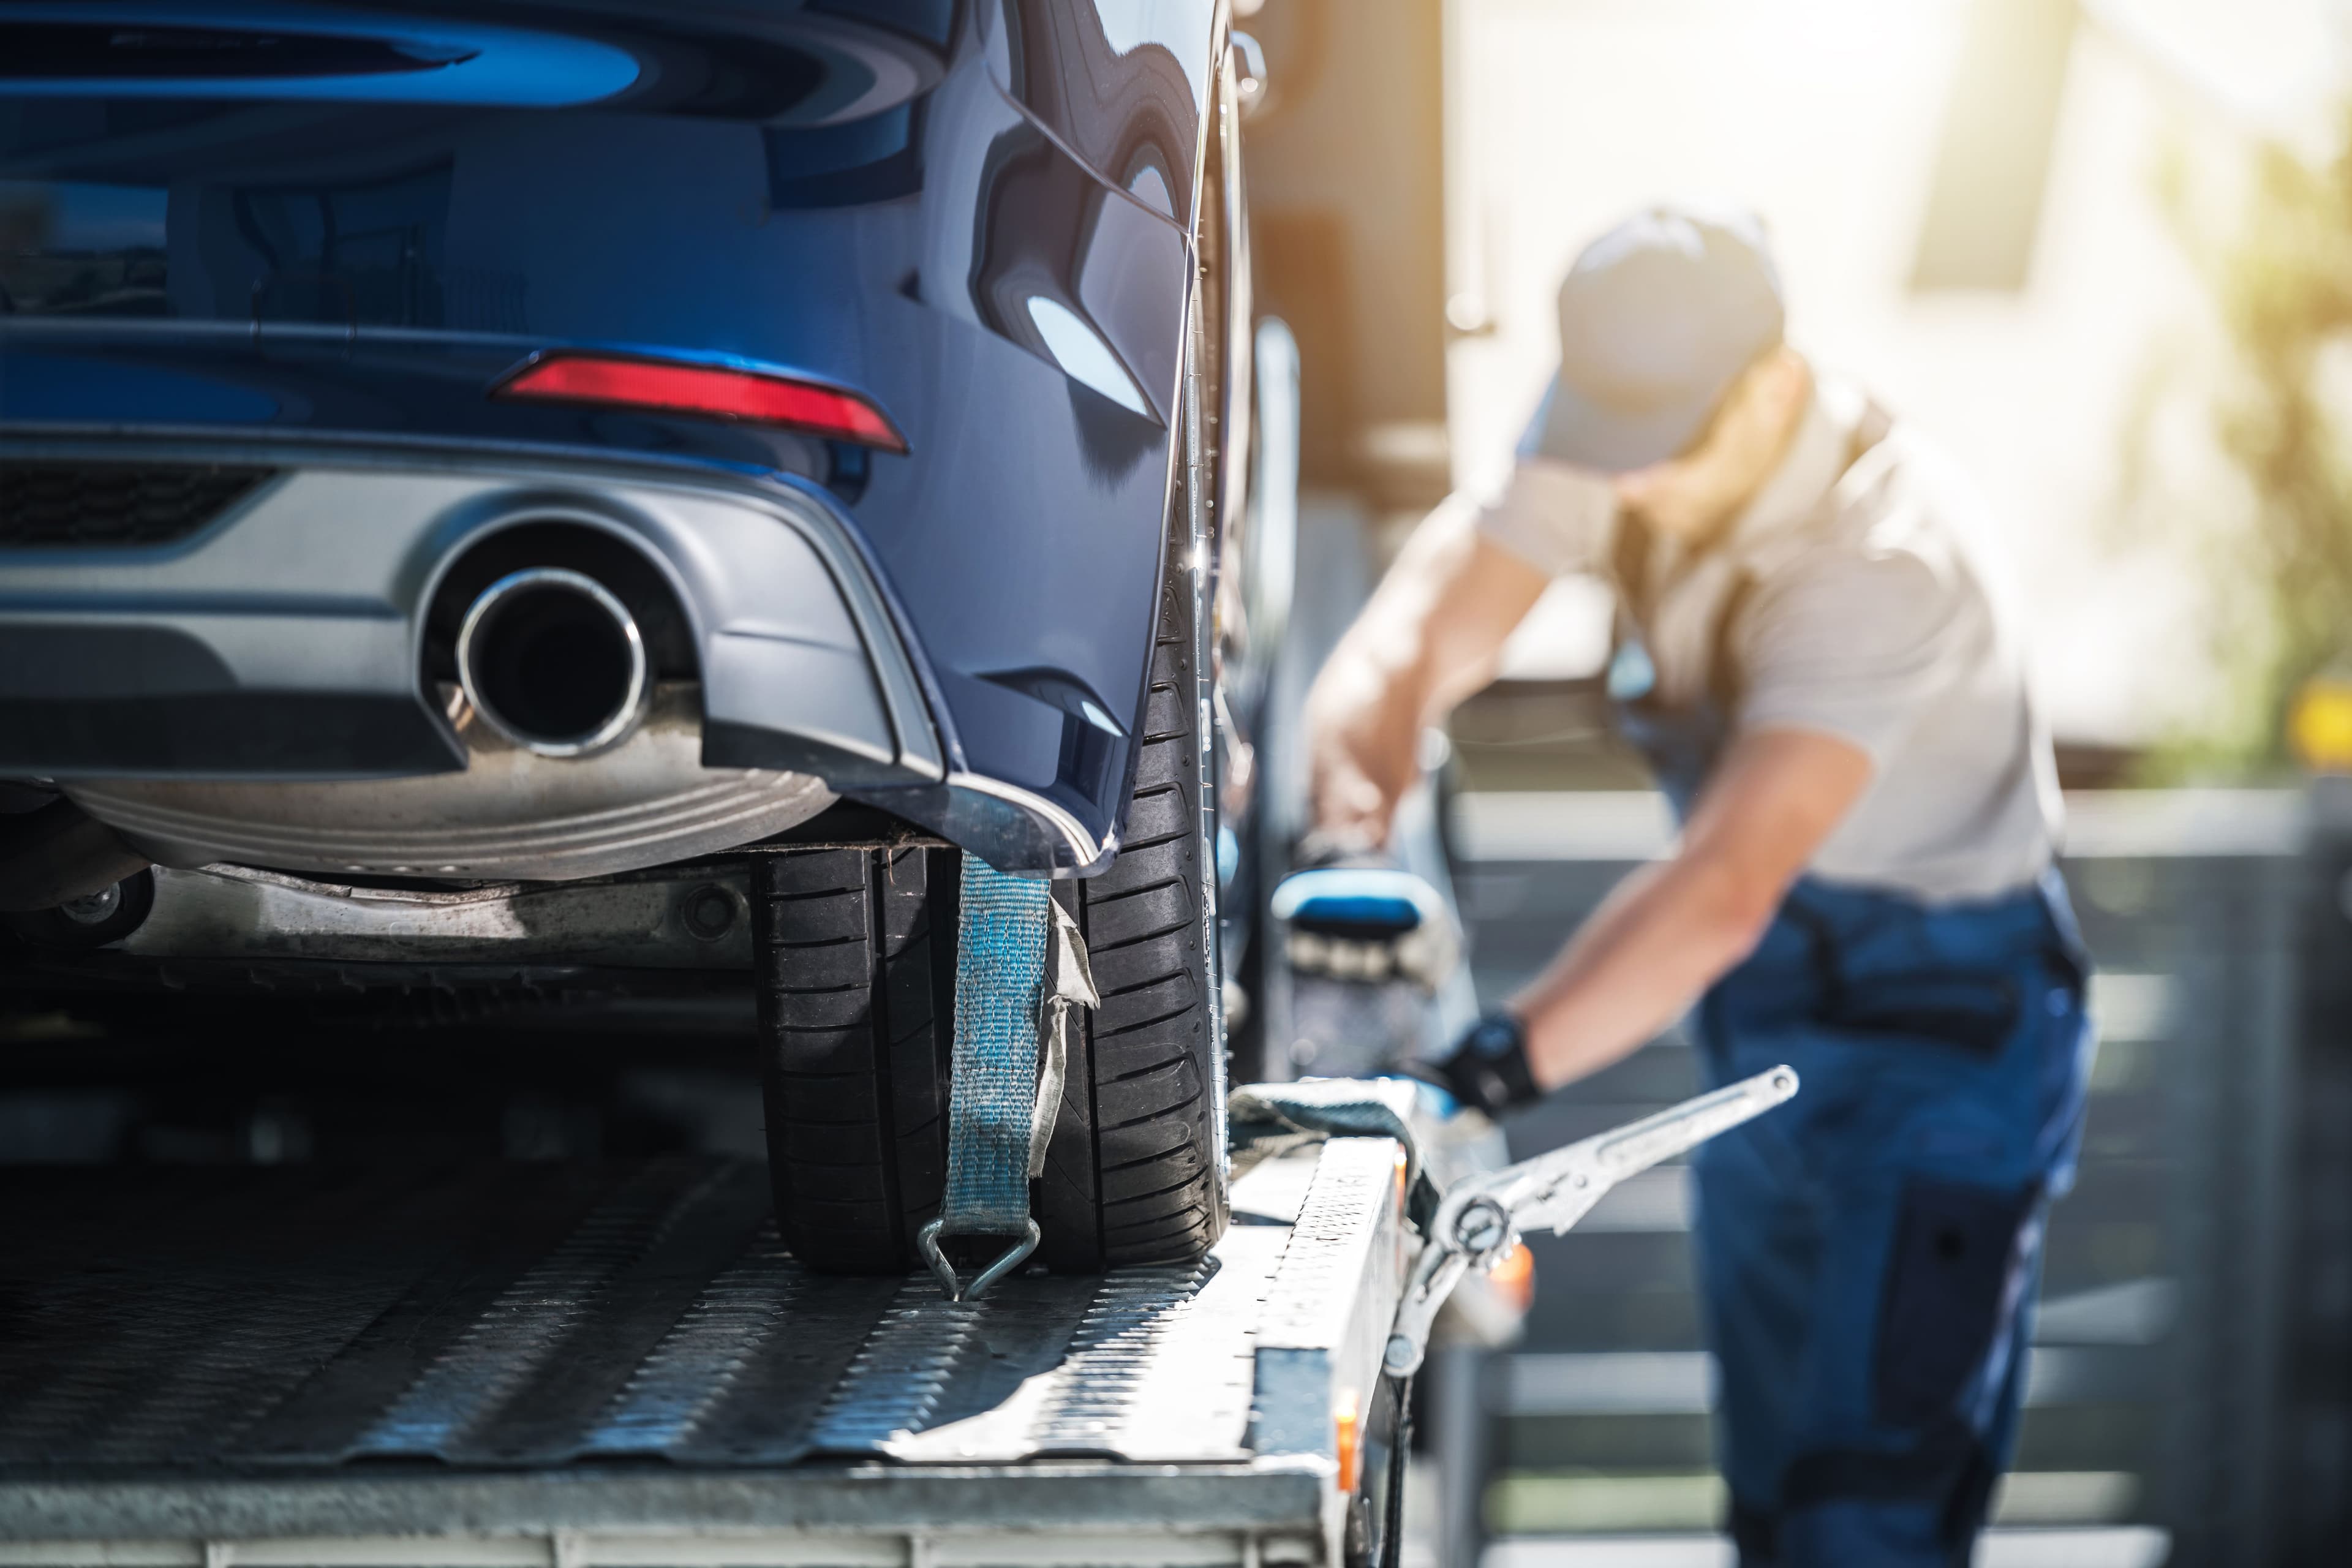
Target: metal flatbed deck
619	1364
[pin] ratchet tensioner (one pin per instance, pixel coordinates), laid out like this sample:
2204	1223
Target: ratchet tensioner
1481	1217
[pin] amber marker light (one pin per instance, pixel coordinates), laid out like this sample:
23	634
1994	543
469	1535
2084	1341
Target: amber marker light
759	397
1347	1431
1514	1276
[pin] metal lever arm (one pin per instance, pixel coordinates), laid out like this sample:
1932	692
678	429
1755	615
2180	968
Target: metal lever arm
1482	1217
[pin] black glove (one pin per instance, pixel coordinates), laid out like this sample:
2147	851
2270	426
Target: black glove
1487	1067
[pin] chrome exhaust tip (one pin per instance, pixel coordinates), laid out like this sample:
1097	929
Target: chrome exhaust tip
555	662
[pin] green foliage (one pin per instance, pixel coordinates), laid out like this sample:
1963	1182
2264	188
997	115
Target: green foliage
2283	284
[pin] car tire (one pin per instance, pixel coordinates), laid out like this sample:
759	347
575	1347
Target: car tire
1134	1171
854	956
853	953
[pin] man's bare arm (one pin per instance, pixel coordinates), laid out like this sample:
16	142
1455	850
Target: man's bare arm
1673	929
1427	639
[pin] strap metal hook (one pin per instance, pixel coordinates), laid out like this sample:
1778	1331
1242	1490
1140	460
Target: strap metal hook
927	1238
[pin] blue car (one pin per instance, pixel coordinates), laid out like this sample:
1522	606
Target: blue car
593	510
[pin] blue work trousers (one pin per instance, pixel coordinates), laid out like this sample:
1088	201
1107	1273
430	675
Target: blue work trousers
1868	1254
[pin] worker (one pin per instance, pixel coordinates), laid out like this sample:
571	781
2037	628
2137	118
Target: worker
1818	654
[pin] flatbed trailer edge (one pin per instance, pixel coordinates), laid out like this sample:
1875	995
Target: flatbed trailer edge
1196	1417
651	1382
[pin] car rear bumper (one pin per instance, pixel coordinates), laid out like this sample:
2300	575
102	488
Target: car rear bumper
280	636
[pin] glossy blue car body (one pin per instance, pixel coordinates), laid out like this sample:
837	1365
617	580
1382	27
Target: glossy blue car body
300	234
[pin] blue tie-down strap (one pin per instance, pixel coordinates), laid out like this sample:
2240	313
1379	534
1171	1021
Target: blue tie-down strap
1021	971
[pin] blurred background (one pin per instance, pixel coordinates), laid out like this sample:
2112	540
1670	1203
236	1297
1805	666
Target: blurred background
2102	251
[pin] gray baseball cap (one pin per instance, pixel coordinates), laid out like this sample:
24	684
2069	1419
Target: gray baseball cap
1657	318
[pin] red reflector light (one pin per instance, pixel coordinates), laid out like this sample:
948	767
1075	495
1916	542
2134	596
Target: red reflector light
616	381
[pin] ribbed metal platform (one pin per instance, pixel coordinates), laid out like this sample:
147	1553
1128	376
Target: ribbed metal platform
620	1364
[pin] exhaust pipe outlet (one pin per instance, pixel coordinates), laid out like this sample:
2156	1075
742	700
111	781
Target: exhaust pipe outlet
553	661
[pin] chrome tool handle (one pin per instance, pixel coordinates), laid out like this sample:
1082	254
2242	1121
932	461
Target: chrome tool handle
1559	1188
1482	1217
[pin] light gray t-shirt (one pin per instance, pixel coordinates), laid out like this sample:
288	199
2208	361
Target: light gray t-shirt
1877	610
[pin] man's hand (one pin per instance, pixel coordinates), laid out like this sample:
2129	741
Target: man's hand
1673	929
1427	639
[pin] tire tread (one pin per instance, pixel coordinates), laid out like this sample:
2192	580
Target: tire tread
852	1058
1128	1179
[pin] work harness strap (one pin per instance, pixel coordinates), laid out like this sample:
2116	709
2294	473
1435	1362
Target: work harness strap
1021	972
